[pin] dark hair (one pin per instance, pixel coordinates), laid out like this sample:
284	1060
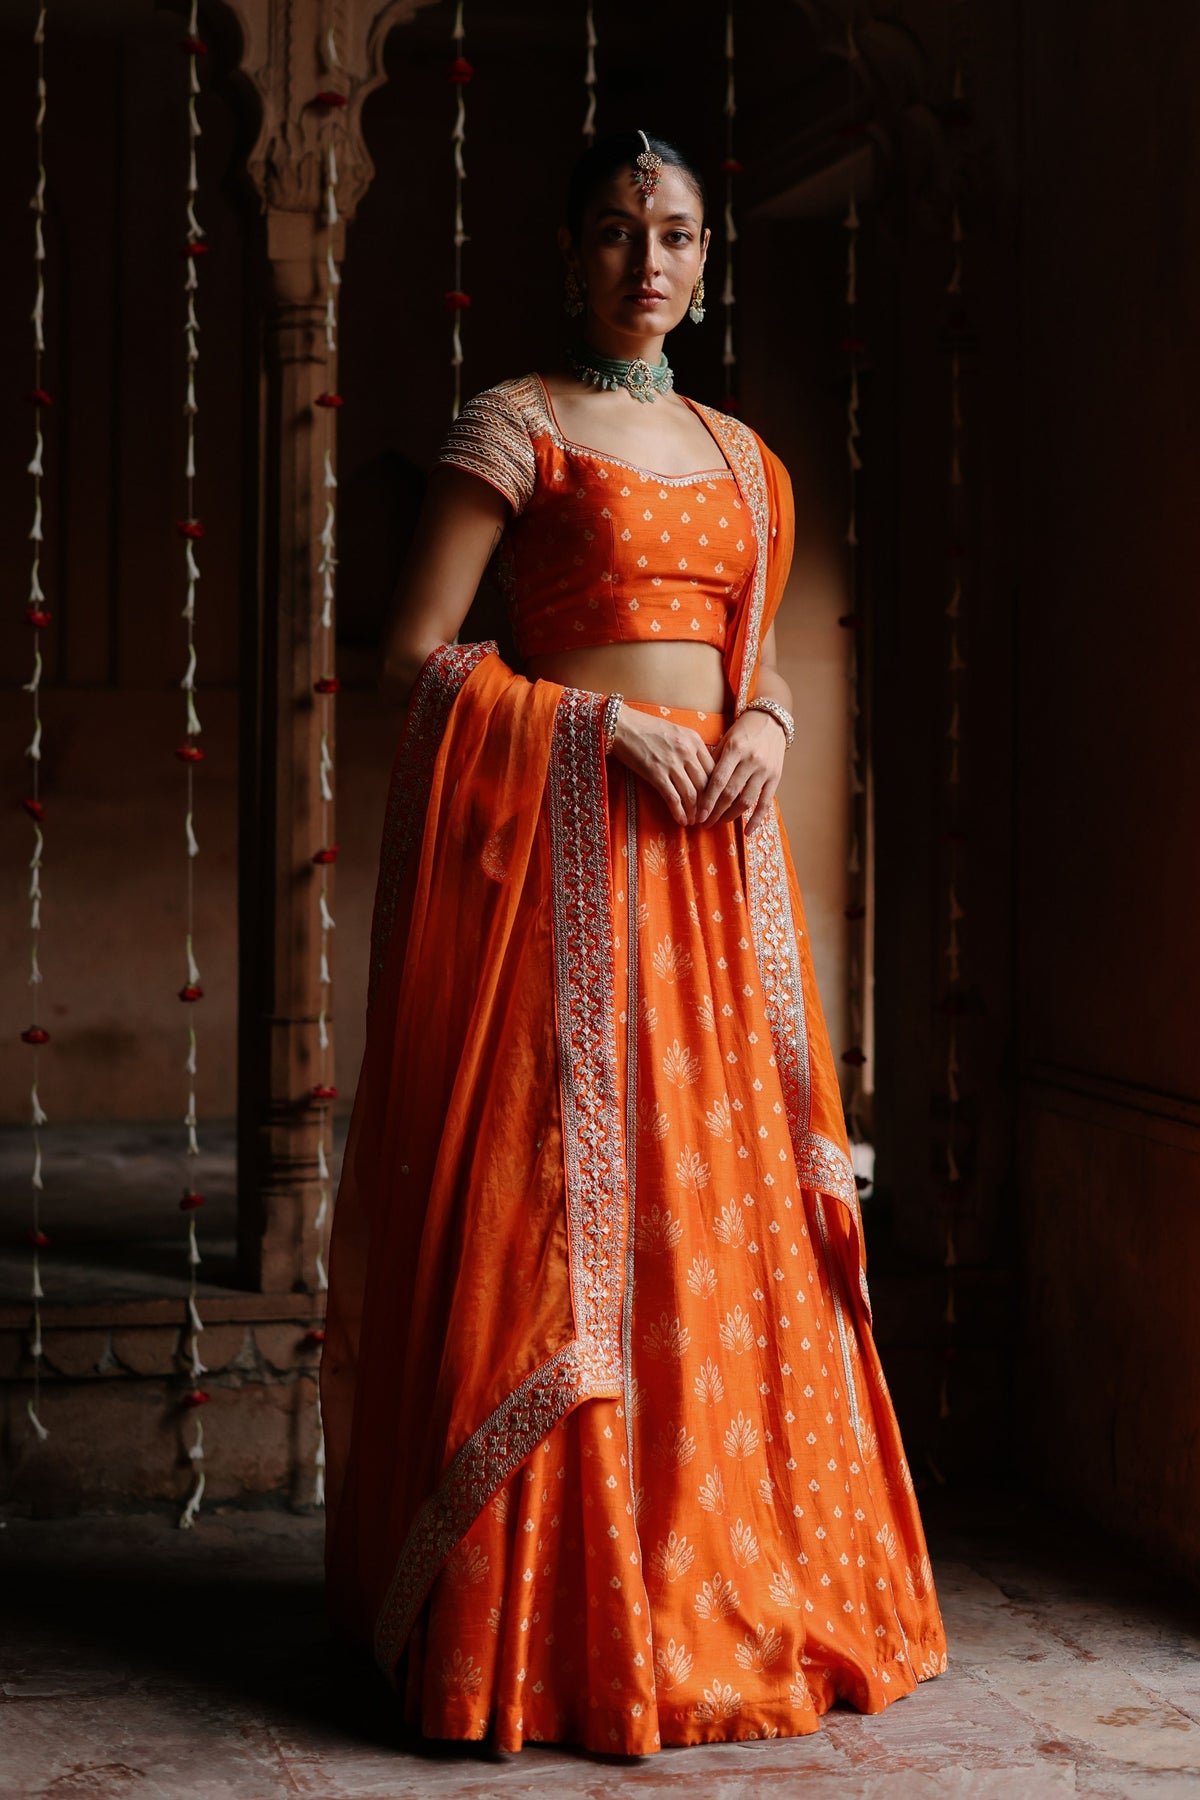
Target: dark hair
606	157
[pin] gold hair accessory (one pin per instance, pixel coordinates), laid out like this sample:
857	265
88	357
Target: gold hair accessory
649	171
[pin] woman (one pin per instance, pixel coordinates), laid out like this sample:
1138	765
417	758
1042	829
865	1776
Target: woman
611	1456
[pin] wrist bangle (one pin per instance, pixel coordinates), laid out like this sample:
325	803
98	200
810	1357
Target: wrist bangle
778	712
612	707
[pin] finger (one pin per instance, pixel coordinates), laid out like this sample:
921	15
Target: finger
750	797
730	807
766	801
723	776
686	790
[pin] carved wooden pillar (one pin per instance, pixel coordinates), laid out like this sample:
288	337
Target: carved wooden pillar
297	53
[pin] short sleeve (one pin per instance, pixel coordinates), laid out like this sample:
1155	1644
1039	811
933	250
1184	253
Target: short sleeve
489	439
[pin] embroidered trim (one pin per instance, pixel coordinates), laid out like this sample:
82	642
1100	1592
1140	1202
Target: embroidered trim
741	447
490	1455
436	689
779	966
489	439
581	881
547	425
631	1080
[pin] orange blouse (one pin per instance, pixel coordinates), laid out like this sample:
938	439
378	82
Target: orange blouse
598	550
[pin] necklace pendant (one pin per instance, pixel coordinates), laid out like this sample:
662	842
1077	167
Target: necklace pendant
639	379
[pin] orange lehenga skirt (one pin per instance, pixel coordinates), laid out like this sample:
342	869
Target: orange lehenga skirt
726	1541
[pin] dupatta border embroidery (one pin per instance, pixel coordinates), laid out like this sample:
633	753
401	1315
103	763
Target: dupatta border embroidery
745	459
591	1365
584	980
437	687
506	1439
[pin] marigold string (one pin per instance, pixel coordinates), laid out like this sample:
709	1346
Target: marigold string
589	74
730	168
457	300
38	616
190	754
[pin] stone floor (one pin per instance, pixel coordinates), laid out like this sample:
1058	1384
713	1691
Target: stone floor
139	1662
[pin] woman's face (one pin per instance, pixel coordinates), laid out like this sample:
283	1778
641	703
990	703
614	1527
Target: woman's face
639	264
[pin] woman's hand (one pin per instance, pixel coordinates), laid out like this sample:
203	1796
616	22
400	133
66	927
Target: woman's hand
746	773
674	759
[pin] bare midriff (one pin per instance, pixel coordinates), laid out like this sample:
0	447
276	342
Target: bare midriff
671	674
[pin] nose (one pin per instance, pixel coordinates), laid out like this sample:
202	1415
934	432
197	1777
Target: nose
647	259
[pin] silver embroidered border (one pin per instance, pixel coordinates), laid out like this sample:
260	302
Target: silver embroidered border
581	883
745	459
631	1077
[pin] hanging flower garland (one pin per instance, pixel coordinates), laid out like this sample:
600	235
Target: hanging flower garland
729	168
853	346
191	532
589	74
953	1004
326	688
457	300
39	618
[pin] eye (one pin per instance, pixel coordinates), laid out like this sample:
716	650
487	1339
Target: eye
682	237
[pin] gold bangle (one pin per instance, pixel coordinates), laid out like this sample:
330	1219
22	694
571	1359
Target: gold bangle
779	712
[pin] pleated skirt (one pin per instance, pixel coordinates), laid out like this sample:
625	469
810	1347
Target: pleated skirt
736	1544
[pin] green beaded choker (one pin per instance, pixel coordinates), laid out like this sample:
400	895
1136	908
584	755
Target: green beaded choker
642	379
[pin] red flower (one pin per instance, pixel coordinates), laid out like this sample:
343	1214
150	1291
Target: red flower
731	404
457	301
731	166
190	753
326	855
197	1397
190	1201
189	528
460	71
36	1034
322	1091
34	808
194	249
856	1056
329	400
853	346
850	621
328	684
37	1240
194	46
38	617
191	991
854	912
330	97
39	397
315	1336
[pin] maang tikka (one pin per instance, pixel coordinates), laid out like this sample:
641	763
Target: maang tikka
648	171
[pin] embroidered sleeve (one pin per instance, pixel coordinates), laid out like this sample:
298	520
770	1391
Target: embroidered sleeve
489	439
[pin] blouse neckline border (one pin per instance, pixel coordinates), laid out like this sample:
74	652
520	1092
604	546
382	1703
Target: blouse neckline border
565	443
